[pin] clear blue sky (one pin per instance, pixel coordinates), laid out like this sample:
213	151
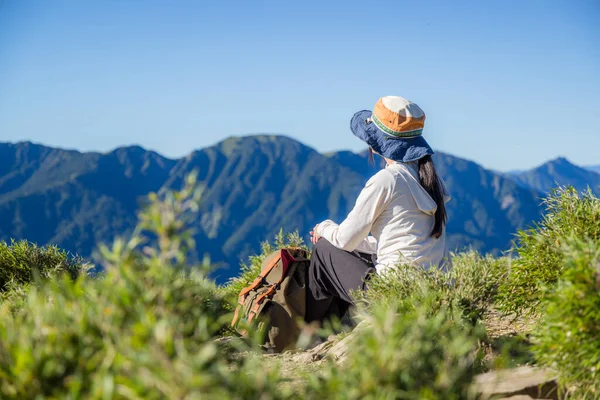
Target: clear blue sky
508	84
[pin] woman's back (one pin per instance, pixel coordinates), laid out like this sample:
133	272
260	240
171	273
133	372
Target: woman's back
403	228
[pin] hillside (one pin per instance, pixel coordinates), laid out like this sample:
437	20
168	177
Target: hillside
76	200
254	186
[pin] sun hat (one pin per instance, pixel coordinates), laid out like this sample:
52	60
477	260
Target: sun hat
394	129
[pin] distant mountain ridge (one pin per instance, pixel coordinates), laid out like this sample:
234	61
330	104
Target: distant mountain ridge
254	186
593	168
559	171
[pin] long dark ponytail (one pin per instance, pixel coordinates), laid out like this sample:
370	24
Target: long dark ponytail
430	181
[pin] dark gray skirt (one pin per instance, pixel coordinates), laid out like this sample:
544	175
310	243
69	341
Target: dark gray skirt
333	273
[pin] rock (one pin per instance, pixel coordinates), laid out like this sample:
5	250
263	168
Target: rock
339	351
315	354
525	381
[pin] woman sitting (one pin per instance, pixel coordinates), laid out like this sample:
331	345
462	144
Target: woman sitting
402	207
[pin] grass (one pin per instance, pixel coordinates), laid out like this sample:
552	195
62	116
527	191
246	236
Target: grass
403	353
540	259
145	328
22	262
470	287
567	338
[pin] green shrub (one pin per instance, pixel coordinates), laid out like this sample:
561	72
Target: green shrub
144	329
413	285
475	282
21	262
540	261
568	337
470	286
404	352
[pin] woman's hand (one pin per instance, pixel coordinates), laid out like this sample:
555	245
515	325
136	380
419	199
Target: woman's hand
314	236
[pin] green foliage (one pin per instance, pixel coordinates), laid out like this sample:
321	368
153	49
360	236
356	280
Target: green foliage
249	271
475	282
403	354
568	338
22	262
470	286
540	261
144	329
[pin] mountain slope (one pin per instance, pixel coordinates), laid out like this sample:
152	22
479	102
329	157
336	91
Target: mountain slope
76	200
253	187
256	186
558	172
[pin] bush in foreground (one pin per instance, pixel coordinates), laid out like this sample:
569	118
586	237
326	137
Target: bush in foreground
144	329
568	337
469	287
404	352
540	261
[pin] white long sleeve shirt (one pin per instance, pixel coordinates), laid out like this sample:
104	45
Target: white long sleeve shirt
399	214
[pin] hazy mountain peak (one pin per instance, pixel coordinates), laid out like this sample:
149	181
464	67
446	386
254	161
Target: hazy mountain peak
132	149
271	145
559	171
560	162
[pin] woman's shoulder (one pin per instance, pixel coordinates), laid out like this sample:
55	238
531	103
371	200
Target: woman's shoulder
384	178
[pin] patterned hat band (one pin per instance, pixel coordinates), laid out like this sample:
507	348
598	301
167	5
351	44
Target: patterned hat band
398	118
393	133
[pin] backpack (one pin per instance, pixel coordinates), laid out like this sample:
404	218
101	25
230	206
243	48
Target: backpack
276	300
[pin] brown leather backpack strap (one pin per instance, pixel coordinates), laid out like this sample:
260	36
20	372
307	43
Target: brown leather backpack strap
259	300
256	282
236	315
271	290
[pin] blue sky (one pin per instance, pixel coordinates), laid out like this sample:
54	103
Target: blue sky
508	84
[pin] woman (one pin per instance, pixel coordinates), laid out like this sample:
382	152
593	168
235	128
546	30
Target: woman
402	206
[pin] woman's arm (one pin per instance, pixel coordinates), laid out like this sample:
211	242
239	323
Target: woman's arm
367	245
352	234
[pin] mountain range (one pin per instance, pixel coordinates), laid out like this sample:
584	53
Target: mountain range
253	187
559	172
